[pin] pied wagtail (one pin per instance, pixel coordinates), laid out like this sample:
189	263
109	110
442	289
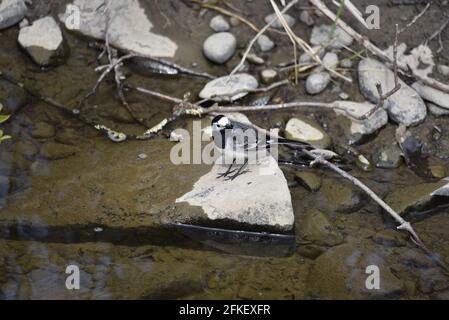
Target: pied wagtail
238	141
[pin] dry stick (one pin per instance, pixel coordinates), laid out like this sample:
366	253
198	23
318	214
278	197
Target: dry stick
375	50
397	85
304	44
438	34
403	224
416	18
261	32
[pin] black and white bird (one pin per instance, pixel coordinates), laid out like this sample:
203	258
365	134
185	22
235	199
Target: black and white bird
239	142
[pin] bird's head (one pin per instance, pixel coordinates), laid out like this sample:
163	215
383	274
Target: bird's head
220	123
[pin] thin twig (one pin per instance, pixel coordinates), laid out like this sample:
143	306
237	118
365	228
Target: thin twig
253	41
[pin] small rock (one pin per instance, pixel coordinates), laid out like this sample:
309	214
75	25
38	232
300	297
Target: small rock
220	47
309	180
438	172
306	130
305	58
142	156
68	136
219	24
363	163
42	130
11	12
269	76
317	82
404	107
265	44
254	59
437	111
306	18
389	238
343	96
229	88
326	35
389	158
176	137
311	251
234	21
444	70
435	96
346	63
24	23
419	198
330	60
317	228
277	24
57	151
42	40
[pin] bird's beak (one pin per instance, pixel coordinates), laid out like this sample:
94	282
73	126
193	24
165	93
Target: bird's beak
229	126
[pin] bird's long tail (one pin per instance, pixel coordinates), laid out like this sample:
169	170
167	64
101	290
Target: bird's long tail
293	144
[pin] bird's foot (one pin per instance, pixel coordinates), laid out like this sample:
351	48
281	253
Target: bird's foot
232	178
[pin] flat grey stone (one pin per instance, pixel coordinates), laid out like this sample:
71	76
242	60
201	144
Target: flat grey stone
437	111
229	88
327	36
219	24
317	82
11	12
435	96
357	110
42	40
404	107
265	44
129	27
277	24
220	47
418	198
258	198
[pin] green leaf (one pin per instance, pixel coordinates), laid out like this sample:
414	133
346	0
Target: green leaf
3	118
3	138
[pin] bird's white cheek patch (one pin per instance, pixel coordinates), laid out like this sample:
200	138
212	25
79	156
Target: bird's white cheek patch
223	122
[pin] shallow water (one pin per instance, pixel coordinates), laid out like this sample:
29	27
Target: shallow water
96	205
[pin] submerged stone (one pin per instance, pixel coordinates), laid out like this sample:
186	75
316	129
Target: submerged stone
419	198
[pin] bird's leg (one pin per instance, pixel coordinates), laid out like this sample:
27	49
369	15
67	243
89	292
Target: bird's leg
240	171
228	172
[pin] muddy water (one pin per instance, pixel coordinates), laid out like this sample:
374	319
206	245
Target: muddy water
69	196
